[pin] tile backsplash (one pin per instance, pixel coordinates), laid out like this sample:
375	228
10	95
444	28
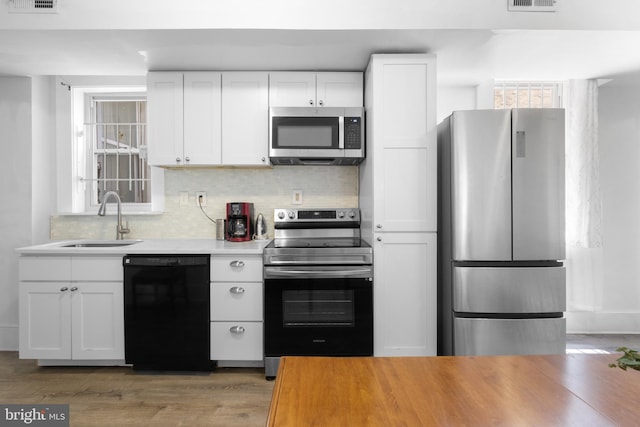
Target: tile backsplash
266	188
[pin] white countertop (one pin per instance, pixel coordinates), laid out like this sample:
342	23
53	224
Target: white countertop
150	246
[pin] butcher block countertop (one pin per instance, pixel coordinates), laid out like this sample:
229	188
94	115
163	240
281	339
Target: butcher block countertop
556	390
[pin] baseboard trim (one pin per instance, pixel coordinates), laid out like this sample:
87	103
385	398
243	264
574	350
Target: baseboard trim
9	338
581	322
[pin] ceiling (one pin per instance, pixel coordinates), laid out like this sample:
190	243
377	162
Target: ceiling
465	57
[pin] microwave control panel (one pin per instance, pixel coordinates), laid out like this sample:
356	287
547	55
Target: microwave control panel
352	133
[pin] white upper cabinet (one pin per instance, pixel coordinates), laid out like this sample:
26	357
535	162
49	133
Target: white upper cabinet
202	118
309	89
398	178
245	118
165	120
184	118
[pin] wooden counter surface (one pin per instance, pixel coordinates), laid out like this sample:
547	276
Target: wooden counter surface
558	390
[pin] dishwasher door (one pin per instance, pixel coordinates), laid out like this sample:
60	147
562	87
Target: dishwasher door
166	312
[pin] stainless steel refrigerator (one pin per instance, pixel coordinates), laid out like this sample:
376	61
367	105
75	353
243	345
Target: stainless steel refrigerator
501	278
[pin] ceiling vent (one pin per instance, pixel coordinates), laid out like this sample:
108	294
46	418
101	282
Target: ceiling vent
33	6
532	5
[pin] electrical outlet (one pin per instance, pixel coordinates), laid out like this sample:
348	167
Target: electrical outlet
296	198
201	198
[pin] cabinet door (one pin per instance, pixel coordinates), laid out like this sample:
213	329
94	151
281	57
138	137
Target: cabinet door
339	89
403	140
45	320
165	118
292	89
97	310
245	118
202	118
405	293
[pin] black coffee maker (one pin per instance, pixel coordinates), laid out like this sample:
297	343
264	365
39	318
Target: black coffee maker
239	221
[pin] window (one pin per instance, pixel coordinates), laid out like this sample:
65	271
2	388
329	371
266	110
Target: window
527	95
107	147
116	141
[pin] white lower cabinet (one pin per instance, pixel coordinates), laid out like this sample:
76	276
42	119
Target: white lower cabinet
236	310
69	317
405	292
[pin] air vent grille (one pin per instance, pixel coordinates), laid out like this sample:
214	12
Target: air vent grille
33	6
533	5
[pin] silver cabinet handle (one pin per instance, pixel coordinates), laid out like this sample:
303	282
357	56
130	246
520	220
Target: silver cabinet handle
238	264
75	288
379	239
237	329
64	289
178	160
187	159
379	226
311	102
321	102
237	290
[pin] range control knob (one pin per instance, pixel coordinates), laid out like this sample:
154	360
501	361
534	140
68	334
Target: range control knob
292	215
352	214
340	214
281	215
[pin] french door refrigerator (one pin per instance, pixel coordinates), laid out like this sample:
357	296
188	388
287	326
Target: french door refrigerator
501	284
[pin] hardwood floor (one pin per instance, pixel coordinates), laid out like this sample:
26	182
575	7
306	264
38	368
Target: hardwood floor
118	396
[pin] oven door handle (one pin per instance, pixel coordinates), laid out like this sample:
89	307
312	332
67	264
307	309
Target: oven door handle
270	273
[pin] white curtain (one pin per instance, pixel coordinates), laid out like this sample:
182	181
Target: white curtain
583	198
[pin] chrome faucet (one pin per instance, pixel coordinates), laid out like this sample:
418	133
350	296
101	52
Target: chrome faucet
120	229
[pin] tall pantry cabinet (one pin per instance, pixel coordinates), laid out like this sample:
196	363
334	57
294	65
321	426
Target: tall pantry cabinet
398	201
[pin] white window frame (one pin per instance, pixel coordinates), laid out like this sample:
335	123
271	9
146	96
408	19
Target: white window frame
89	133
71	94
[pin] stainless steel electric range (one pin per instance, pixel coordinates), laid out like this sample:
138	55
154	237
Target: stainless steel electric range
318	286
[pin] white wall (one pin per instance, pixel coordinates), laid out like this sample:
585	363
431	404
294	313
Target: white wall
15	193
614	304
43	197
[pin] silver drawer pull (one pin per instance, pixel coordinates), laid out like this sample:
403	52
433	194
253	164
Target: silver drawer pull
75	288
237	290
65	289
237	264
237	329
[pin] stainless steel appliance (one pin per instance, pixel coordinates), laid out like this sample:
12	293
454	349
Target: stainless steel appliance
316	136
166	312
239	221
501	277
318	286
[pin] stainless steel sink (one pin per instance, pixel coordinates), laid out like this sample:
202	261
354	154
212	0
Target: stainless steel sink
106	244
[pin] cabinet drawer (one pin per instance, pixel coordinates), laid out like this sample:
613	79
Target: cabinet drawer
45	268
236	301
236	341
97	269
236	268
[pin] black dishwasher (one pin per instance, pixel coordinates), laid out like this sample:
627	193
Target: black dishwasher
166	312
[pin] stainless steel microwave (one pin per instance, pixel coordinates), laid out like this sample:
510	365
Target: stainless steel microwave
316	136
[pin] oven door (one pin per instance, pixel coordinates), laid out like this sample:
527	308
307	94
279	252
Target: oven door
318	311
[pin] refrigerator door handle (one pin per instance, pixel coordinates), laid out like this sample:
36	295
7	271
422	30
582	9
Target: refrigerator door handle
520	144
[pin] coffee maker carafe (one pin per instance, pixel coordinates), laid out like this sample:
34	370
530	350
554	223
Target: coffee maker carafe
239	221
